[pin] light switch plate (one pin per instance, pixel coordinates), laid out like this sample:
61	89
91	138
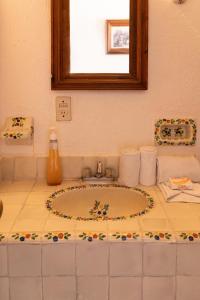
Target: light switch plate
63	108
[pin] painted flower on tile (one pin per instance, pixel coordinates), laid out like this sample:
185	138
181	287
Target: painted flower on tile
99	210
126	236
92	236
13	135
190	236
2	237
25	236
57	236
18	121
158	235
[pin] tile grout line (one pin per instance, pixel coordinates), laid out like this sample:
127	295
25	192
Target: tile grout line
8	273
176	265
142	278
42	277
109	275
76	273
22	207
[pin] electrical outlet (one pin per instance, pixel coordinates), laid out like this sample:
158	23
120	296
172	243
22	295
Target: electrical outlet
63	108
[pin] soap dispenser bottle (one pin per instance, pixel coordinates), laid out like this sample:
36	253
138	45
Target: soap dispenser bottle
54	172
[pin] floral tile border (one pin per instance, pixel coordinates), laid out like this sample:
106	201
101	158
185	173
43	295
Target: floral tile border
57	236
158	236
189	236
169	140
49	203
94	236
125	236
24	237
91	236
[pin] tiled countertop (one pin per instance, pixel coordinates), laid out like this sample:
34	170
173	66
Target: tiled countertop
26	218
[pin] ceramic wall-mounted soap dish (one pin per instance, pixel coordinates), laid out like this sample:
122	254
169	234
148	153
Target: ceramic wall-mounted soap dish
18	130
175	132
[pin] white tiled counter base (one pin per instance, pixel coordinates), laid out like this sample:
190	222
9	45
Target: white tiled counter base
44	257
100	271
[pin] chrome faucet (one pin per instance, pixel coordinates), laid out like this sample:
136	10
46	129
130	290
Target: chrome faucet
99	172
99	175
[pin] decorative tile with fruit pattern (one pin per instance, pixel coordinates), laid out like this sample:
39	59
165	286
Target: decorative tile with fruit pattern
92	236
30	237
188	236
158	236
125	236
57	236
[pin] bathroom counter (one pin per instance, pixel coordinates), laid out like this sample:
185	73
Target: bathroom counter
26	219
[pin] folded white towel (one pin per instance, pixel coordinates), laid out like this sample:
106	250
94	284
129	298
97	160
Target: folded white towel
190	196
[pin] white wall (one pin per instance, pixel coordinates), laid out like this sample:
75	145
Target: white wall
88	36
103	121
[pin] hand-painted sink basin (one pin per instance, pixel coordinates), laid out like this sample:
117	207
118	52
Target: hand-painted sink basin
99	202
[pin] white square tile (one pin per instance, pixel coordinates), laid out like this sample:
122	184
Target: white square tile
185	224
58	259
25	168
188	288
157	288
17	186
159	259
92	258
7	168
3	261
154	224
72	167
92	288
24	260
14	198
4	288
37	198
26	288
127	288
188	258
90	162
41	167
125	259
59	288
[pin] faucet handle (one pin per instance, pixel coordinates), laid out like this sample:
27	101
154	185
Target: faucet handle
109	173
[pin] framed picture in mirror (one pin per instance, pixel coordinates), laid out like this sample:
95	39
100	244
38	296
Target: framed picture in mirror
117	36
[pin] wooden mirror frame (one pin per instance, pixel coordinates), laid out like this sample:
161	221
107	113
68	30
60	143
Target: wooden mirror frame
137	77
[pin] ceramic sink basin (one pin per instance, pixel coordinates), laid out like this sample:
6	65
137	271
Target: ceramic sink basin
99	202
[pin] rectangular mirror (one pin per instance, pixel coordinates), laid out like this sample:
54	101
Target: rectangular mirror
95	37
99	44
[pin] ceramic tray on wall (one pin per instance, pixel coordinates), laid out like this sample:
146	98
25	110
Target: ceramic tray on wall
175	132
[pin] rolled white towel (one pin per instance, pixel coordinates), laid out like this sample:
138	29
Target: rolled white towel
129	167
148	155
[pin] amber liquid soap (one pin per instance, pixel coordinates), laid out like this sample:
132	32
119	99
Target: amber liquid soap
54	171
